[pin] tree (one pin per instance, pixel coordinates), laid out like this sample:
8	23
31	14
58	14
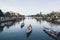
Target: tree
1	14
7	14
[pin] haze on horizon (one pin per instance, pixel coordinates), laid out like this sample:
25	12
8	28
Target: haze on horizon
30	7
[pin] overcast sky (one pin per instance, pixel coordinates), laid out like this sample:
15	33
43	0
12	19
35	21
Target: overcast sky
28	7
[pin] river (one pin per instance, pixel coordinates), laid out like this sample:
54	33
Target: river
16	32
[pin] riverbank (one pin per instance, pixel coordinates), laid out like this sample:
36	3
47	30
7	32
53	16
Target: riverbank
4	19
53	20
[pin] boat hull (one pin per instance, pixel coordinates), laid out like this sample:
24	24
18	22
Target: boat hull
29	31
54	36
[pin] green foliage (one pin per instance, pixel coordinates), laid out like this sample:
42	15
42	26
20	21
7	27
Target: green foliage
9	14
1	14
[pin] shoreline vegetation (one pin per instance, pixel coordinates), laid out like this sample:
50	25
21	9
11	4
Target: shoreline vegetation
10	16
51	17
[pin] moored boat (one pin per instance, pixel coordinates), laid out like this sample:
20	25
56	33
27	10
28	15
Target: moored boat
52	33
22	24
29	28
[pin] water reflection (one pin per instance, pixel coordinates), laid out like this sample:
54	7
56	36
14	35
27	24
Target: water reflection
28	34
51	25
14	31
8	24
1	28
38	20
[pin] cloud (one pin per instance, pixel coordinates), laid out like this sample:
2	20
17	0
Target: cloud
30	6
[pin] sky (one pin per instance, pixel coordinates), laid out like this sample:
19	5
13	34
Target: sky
30	7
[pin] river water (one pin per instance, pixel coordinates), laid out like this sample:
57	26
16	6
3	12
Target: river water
16	32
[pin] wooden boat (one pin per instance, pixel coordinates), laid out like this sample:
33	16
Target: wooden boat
52	33
29	28
22	24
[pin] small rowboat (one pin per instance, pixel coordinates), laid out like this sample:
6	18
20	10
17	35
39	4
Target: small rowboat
22	24
29	28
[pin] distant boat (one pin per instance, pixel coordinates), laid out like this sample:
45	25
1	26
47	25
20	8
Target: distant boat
22	24
52	33
29	28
